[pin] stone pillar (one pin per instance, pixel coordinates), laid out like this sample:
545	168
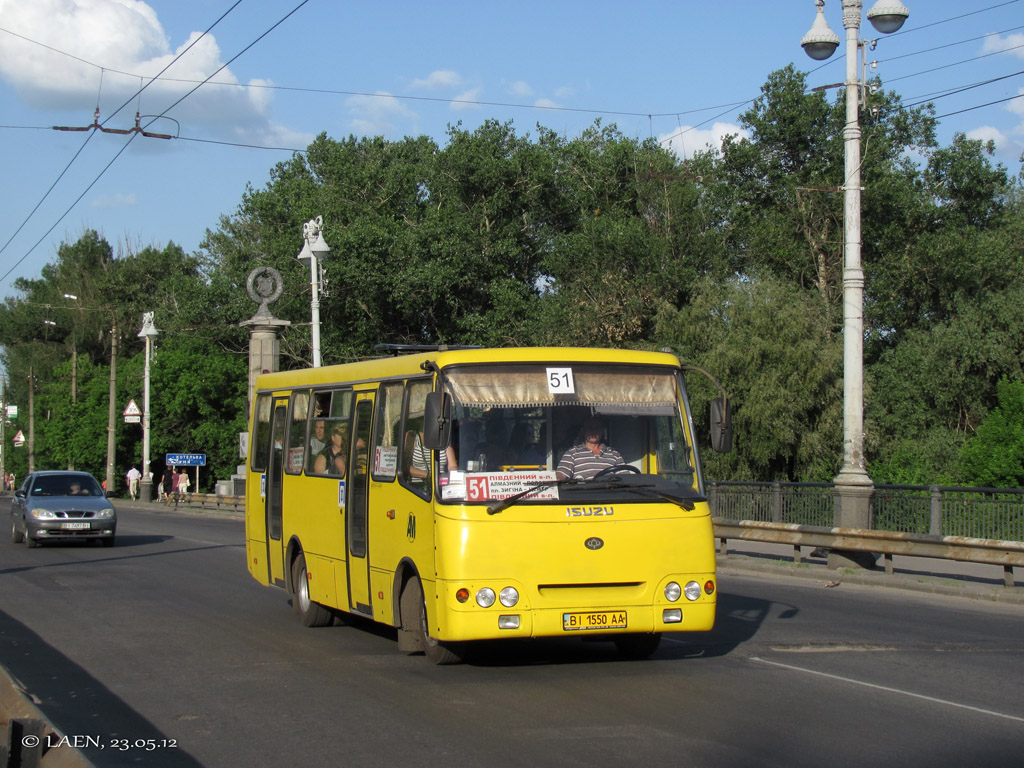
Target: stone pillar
264	286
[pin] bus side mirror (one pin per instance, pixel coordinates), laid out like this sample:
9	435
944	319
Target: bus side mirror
437	421
721	425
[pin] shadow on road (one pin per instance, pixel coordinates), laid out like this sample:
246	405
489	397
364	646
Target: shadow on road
77	704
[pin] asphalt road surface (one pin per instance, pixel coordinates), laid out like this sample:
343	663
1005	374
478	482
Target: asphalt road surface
162	651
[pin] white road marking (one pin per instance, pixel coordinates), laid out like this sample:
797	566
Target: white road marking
889	689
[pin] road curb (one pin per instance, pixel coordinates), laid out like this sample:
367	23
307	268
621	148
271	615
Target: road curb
29	733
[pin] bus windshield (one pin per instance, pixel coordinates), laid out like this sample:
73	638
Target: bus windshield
584	432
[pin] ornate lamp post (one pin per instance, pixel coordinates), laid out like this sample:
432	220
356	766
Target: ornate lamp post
149	333
313	247
853	485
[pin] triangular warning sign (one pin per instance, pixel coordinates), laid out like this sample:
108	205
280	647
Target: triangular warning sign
132	409
19	439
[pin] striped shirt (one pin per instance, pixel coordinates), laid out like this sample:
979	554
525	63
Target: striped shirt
579	462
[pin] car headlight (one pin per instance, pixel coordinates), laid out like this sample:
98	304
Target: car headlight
43	514
108	512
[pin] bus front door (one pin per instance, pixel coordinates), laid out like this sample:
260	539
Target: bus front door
274	498
358	488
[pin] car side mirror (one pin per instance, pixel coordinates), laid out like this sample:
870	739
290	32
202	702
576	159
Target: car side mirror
437	421
721	425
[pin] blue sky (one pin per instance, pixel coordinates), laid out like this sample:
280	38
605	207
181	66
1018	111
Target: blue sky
678	71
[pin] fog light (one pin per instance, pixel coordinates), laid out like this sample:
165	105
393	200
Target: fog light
508	622
672	615
509	596
485	597
673	591
692	590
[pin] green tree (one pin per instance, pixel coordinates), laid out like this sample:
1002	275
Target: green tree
994	456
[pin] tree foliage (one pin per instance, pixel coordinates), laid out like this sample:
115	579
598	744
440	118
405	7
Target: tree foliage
733	258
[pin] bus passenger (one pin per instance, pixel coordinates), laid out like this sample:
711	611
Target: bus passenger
331	460
590	455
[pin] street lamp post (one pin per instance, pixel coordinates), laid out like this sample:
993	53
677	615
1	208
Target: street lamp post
313	247
853	485
149	333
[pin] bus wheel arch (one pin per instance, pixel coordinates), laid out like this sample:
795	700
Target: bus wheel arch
415	629
309	612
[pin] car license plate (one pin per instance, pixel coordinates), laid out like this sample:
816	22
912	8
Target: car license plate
75	526
573	622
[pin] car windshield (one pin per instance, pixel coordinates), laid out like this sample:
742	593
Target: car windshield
65	485
538	426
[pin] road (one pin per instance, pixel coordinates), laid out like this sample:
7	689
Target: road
166	638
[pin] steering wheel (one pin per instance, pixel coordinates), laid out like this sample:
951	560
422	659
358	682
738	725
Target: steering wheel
617	468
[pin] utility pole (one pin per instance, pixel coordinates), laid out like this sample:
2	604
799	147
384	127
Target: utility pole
112	410
31	420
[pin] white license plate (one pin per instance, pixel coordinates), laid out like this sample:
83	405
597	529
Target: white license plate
75	526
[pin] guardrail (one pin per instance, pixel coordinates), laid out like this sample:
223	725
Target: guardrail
1006	554
215	500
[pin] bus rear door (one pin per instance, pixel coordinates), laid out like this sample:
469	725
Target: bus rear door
358	508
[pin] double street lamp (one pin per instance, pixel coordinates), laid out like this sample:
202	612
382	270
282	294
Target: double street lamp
313	247
853	485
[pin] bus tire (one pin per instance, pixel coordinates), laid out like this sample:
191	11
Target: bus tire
437	652
309	612
638	646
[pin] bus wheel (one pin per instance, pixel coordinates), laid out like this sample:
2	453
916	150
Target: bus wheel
310	613
414	614
637	646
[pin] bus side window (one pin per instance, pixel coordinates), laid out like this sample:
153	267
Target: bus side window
259	443
385	445
297	433
415	456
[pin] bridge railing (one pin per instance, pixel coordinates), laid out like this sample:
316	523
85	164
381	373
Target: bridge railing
984	525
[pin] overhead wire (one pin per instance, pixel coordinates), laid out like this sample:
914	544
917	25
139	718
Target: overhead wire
79	152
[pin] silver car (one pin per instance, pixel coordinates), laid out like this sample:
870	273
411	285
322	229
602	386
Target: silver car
61	505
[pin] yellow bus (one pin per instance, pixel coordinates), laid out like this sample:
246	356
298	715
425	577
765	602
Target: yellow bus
465	494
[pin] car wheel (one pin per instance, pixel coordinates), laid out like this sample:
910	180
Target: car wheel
310	612
437	652
16	535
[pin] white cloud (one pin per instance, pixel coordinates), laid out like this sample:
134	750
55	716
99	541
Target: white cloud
376	115
687	140
465	100
119	200
520	89
74	39
988	133
995	43
546	104
438	80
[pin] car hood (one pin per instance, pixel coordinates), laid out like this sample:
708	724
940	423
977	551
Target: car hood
69	503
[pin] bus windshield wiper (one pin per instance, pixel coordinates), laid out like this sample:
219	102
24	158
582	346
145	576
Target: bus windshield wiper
498	506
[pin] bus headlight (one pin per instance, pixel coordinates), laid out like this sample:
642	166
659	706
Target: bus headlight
485	597
673	591
509	596
692	590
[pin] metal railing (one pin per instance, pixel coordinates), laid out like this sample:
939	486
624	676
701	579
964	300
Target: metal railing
969	524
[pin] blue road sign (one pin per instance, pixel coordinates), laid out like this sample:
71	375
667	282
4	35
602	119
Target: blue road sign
186	459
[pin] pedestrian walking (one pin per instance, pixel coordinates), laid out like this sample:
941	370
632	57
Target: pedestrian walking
133	478
183	484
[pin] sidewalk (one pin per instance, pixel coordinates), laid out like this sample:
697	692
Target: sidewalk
977	581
